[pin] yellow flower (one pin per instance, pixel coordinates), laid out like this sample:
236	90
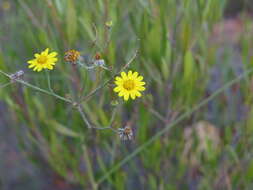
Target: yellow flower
44	60
129	85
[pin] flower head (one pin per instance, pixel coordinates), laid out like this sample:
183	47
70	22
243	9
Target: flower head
17	75
97	56
71	56
125	133
129	85
44	60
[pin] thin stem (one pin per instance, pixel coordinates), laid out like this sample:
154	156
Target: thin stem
44	91
49	82
171	125
80	109
113	115
106	82
89	168
85	119
37	88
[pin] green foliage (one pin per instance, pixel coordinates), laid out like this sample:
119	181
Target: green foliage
177	54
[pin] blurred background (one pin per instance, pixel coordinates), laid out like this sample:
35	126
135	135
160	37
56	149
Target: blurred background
187	50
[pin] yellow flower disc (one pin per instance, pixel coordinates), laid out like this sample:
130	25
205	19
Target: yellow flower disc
129	85
44	60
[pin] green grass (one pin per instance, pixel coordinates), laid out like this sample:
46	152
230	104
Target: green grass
190	77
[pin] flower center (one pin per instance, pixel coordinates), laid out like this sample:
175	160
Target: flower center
42	59
129	85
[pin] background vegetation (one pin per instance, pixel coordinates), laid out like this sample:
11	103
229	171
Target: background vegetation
187	50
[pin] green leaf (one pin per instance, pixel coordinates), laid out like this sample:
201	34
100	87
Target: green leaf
64	130
71	21
188	65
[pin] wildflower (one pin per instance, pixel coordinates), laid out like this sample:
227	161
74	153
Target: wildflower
16	75
6	6
125	133
97	56
72	56
91	63
129	85
44	60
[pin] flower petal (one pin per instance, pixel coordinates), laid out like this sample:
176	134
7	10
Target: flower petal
53	54
31	61
126	96
135	75
132	95
31	66
130	73
50	67
36	55
118	82
121	93
141	83
45	52
138	94
117	89
141	88
140	78
123	75
118	78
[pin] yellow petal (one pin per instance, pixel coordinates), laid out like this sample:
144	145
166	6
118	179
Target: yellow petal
45	52
117	89
118	82
123	74
130	73
140	88
52	60
135	75
36	55
132	95
53	54
118	78
140	78
39	69
121	93
141	83
31	61
50	67
126	96
31	66
138	94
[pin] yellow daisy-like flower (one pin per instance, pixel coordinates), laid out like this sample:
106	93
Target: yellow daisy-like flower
129	85
44	60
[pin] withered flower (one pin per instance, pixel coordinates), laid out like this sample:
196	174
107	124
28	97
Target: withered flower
72	56
125	133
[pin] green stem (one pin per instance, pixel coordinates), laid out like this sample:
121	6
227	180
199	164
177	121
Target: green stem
37	88
49	82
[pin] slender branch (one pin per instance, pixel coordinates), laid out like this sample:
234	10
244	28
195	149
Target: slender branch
80	109
49	82
37	88
85	119
172	124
